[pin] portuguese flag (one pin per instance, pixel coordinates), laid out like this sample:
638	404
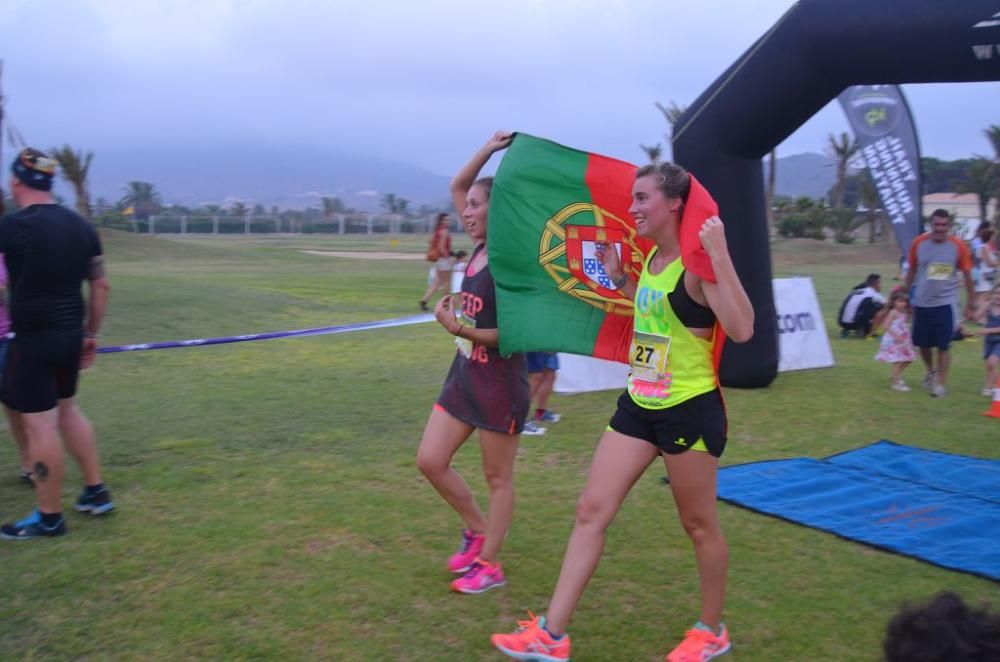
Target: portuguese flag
549	207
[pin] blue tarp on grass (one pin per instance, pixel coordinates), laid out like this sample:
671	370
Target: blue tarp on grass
937	507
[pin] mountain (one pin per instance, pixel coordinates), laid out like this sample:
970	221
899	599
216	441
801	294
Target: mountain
295	178
288	177
804	174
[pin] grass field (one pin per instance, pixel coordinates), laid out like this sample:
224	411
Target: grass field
269	506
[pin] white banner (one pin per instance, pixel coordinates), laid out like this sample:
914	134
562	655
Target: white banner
579	374
802	339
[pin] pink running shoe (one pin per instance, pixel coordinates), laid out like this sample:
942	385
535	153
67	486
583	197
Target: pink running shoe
481	577
462	560
701	644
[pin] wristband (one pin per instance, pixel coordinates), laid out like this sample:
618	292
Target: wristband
459	330
620	282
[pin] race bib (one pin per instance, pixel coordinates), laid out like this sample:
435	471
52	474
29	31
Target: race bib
940	271
648	356
464	344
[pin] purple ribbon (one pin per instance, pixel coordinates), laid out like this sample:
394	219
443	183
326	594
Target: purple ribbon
319	331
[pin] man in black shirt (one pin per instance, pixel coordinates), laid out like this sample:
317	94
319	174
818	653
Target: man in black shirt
50	251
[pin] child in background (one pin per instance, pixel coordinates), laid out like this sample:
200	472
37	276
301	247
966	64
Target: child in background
897	345
991	341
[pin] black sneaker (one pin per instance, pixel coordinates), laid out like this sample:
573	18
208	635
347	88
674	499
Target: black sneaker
97	503
32	527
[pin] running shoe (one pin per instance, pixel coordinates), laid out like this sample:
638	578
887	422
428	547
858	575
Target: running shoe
481	577
900	385
97	503
929	381
32	527
939	391
462	560
548	416
987	391
532	429
701	644
531	641
26	478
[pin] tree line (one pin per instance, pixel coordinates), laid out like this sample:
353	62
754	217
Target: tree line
853	190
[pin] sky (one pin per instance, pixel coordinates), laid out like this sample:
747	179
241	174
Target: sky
421	82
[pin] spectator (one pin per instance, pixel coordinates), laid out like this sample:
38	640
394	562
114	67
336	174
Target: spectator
859	308
935	258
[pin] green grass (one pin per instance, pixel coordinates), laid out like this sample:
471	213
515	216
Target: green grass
269	507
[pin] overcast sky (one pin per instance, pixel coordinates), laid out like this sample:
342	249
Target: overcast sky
424	82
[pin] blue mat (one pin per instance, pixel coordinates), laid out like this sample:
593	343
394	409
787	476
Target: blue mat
937	507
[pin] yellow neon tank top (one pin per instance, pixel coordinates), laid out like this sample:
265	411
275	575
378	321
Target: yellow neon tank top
669	364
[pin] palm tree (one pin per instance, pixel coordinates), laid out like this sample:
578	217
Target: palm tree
239	209
993	135
654	152
389	202
980	179
672	112
870	199
75	166
333	205
143	198
843	149
772	168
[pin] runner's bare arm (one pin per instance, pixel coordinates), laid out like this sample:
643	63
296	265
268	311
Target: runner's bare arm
445	315
726	297
463	181
612	266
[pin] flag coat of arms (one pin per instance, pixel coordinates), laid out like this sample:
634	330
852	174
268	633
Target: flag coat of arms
549	208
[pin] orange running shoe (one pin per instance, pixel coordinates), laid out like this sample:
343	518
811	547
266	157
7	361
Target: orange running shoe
531	641
701	644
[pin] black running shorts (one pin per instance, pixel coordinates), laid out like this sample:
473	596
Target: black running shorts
699	424
42	368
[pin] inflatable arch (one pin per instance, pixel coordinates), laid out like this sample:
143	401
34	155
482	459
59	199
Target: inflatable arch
816	50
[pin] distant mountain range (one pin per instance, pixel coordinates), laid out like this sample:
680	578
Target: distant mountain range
270	175
804	174
299	177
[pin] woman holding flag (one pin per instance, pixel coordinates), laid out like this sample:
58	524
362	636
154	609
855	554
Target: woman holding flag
672	408
483	390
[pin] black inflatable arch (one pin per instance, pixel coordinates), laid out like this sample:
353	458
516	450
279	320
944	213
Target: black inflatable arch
818	48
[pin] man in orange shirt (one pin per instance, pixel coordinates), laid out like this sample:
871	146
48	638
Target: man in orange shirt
934	258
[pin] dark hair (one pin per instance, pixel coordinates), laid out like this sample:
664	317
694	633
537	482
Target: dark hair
674	181
941	213
986	233
897	294
440	217
486	183
943	630
460	254
872	279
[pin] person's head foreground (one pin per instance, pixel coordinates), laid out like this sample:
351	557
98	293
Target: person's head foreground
32	173
943	630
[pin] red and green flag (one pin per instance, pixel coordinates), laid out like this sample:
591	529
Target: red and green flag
549	207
